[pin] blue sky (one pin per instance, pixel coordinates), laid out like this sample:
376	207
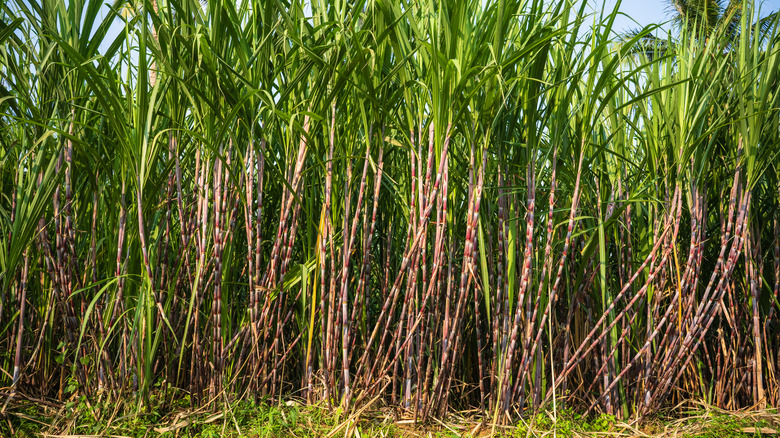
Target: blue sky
646	12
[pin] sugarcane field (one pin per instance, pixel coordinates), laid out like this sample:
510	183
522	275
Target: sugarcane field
389	218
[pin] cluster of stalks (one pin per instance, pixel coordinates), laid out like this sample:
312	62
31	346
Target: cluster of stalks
435	205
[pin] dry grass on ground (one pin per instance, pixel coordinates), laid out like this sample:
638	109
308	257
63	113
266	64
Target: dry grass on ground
81	418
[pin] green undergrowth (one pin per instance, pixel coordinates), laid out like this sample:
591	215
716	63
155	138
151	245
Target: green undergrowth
166	417
173	418
564	423
716	424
